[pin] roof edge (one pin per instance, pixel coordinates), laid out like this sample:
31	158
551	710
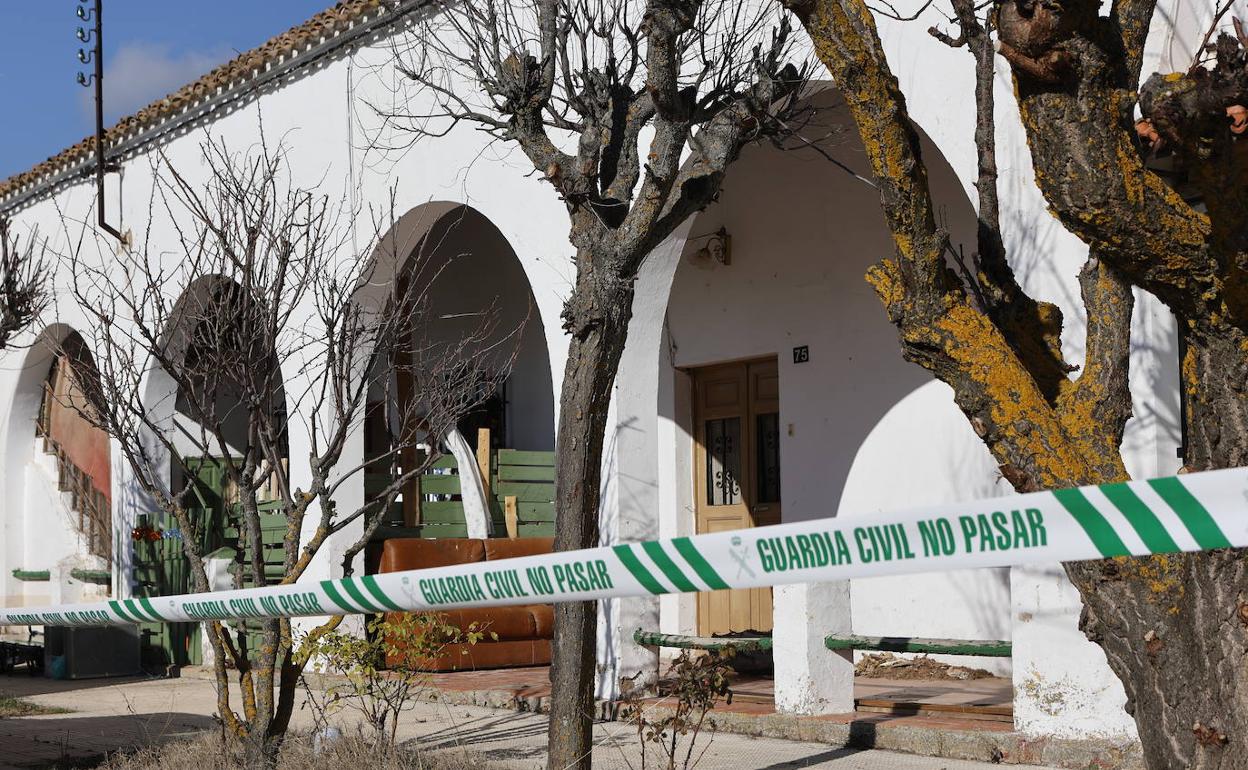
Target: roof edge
297	47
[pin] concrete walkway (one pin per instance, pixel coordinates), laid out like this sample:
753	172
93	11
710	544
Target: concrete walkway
118	714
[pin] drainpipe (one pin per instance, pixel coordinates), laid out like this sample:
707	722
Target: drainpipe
97	56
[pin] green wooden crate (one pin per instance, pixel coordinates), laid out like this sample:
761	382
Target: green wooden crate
526	491
535	511
442	512
435	484
525	473
536	529
443	530
522	457
386	532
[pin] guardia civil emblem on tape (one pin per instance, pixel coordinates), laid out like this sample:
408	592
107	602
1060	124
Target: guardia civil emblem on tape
1199	511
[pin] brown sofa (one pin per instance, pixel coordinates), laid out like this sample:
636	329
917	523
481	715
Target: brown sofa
514	636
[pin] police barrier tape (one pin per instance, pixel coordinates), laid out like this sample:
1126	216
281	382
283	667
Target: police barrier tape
1199	511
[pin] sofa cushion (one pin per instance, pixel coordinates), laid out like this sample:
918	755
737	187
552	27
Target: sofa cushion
543	619
402	553
503	548
467	657
496	623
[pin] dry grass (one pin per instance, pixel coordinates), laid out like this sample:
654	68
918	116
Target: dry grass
16	707
886	665
210	751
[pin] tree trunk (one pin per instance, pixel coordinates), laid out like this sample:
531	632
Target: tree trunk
1215	398
1172	628
597	317
1175	628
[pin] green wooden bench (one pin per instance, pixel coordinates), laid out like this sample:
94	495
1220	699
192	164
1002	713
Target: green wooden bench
989	648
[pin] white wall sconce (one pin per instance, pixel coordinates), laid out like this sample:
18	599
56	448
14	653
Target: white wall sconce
717	249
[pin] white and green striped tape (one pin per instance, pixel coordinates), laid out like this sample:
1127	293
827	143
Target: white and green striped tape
1199	511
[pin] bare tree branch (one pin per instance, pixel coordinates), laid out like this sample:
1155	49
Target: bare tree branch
261	330
23	282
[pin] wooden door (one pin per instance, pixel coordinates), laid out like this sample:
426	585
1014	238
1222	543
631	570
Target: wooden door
736	476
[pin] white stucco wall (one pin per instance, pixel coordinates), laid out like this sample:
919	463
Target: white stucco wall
326	153
943	461
862	431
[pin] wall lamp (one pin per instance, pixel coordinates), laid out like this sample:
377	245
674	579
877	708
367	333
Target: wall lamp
717	248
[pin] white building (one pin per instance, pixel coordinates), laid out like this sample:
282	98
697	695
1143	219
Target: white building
851	430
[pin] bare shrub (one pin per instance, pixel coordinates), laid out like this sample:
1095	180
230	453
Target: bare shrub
697	681
379	691
219	751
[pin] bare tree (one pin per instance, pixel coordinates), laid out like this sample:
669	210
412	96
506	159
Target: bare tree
1172	627
632	112
23	282
268	324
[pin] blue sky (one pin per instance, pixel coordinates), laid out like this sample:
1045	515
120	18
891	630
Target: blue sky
152	47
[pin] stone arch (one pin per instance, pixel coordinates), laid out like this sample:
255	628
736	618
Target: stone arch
183	342
803	233
48	446
81	447
453	260
469	268
196	323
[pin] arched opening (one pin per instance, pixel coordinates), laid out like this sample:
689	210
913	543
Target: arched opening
453	259
211	415
783	378
220	401
68	426
60	539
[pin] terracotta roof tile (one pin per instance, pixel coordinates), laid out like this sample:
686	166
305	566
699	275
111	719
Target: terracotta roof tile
323	26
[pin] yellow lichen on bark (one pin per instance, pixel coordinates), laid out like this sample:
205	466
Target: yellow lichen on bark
939	327
885	278
1132	183
1161	573
1028	433
1155	224
1191	374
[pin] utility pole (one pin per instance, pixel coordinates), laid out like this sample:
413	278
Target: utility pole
96	56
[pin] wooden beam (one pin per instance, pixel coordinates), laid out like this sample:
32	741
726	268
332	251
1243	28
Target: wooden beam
483	459
511	517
